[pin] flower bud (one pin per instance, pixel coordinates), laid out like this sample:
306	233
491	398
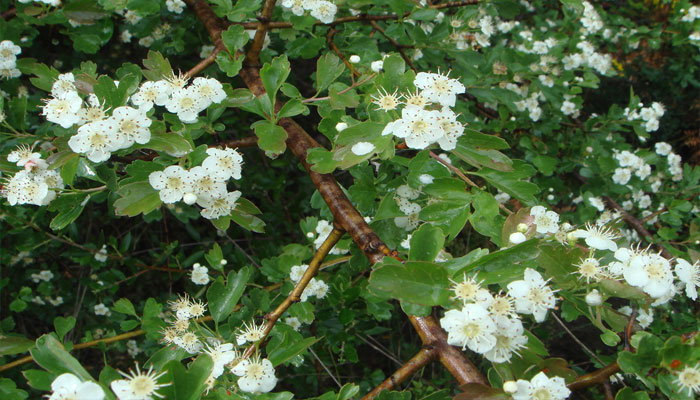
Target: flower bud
522	228
354	59
517	237
377	66
223	261
189	198
594	298
341	126
510	387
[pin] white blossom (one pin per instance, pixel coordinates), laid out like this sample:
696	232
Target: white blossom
256	375
470	327
438	88
68	386
532	295
542	387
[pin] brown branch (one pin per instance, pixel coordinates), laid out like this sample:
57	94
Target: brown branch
294	297
336	50
596	377
252	58
636	224
344	214
421	359
206	62
249	141
9	13
396	44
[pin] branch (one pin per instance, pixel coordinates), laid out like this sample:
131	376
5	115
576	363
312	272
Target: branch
421	359
252	58
636	224
336	50
596	377
396	44
9	13
294	297
206	62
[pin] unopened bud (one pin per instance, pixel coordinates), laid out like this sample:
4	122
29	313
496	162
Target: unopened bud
594	298
223	261
517	237
354	59
510	387
341	126
189	198
522	228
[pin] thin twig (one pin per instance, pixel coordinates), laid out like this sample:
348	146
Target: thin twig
396	44
336	50
636	224
313	353
354	85
379	349
209	60
580	343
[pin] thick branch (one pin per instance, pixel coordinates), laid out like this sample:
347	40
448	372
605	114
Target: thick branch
421	359
261	30
595	378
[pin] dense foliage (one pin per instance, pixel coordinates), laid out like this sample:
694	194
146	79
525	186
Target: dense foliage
255	199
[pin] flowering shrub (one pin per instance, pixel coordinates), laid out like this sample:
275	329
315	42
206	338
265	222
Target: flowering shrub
219	199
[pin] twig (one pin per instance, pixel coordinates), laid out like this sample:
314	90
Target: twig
379	349
421	359
294	297
9	13
596	377
252	58
328	371
251	259
396	44
580	343
354	85
464	177
628	330
209	60
336	50
607	389
249	141
636	224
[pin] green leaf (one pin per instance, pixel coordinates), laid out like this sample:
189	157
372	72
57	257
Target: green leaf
170	143
136	198
610	338
247	221
426	243
151	322
230	66
69	169
235	37
503	266
288	351
14	345
479	391
223	297
348	391
472	138
50	354
63	325
38	379
186	384
9	390
165	355
575	4
512	183
291	108
273	75
328	68
157	66
271	137
486	218
124	306
413	282
67	215
342	96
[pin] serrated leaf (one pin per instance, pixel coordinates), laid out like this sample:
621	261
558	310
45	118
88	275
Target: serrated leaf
124	306
415	282
271	137
223	297
136	198
328	68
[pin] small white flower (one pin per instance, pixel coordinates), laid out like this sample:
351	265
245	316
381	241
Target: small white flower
186	103
210	90
150	93
65	111
377	66
171	183
689	379
516	238
206	184
139	385
594	298
354	59
542	387
545	221
420	128
101	255
509	339
221	355
532	295
689	275
250	333
223	164
650	272
293	322
622	176
132	124
663	148
597	203
175	6
362	148
101	309
470	327
68	386
199	275
256	375
438	88
215	207
324	11
341	126
598	237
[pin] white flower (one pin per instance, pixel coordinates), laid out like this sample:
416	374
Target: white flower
141	385
223	164
591	270
175	6
22	188
63	111
689	275
296	6
132	124
645	318
101	255
532	295
420	128
221	355
568	108
438	88
97	140
68	386
651	273
9	50
598	237
689	379
517	237
541	387
545	221
215	207
250	333
293	322
597	203
101	309
171	183
510	387
45	275
663	148
297	272
189	342
509	339
205	184
470	327
341	126
452	128
376	66
324	11
186	103
354	59
150	93
64	86
257	376
362	148
199	275
210	90
622	176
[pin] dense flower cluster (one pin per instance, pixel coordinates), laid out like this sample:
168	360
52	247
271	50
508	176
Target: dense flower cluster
8	59
426	117
36	184
204	185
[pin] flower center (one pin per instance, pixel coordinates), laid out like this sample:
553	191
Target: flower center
419	127
690	378
255	371
174	183
98	140
128	126
186	102
471	330
542	394
142	385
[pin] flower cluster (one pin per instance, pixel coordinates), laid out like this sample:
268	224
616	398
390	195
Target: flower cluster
489	324
204	185
179	332
35	184
321	233
650	115
8	59
403	196
322	10
316	287
199	274
426	118
173	93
